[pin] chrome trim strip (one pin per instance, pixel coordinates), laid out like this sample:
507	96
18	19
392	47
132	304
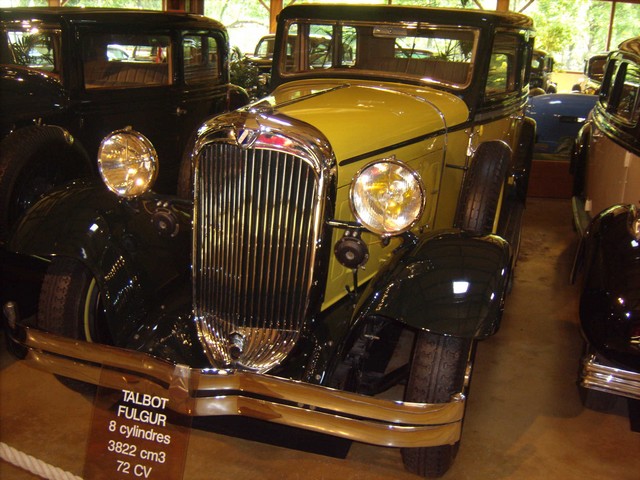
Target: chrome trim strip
211	392
595	374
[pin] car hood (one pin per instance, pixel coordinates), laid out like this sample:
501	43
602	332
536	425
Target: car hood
360	117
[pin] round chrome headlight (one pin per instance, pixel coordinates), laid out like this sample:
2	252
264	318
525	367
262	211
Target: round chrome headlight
387	197
128	163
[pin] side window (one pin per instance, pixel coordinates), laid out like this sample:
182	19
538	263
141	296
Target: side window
608	81
38	51
498	78
527	65
201	59
503	66
624	95
113	60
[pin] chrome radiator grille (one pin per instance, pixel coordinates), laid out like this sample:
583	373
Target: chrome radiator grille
256	216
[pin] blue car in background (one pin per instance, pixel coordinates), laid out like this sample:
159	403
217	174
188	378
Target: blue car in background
559	117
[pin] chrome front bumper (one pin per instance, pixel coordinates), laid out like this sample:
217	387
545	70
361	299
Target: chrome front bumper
210	392
598	375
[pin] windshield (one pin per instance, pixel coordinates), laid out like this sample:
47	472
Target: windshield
424	52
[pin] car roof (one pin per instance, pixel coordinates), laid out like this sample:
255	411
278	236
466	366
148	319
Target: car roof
466	17
76	15
632	45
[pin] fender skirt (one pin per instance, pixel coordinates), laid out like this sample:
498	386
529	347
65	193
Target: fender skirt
450	283
135	249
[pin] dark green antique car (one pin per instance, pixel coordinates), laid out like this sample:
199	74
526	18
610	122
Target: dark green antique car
336	249
70	76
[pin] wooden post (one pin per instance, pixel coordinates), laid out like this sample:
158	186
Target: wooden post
503	6
275	6
611	19
188	6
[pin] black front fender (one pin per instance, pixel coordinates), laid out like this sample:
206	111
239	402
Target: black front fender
610	297
135	249
450	283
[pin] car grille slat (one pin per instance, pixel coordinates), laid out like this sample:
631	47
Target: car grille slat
253	252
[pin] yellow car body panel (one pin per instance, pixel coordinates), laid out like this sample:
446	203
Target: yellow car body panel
374	111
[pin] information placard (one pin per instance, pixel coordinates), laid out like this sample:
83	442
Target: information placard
135	433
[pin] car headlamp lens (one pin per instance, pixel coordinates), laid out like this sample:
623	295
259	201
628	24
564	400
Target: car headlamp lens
387	197
128	163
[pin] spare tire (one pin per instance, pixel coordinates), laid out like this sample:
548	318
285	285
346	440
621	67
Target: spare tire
482	188
34	160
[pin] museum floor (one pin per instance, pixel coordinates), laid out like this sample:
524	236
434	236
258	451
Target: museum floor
524	418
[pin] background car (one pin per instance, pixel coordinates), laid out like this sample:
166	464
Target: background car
262	57
606	202
341	245
541	72
593	73
69	76
559	117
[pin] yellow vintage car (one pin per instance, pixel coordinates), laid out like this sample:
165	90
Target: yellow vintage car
337	248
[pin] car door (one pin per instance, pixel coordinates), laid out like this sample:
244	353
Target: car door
129	80
204	80
613	169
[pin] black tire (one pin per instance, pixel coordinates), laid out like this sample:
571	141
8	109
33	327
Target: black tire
34	160
482	187
70	302
523	158
440	367
70	305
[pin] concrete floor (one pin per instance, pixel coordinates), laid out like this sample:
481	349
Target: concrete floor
524	418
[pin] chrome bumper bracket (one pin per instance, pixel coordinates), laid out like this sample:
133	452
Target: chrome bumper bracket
597	375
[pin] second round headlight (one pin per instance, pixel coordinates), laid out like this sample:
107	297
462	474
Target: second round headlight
387	197
128	163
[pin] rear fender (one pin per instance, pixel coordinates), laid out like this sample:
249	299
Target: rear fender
450	283
122	242
610	298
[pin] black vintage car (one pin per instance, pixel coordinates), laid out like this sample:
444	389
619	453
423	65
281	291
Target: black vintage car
593	73
340	246
70	76
606	202
541	72
262	56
